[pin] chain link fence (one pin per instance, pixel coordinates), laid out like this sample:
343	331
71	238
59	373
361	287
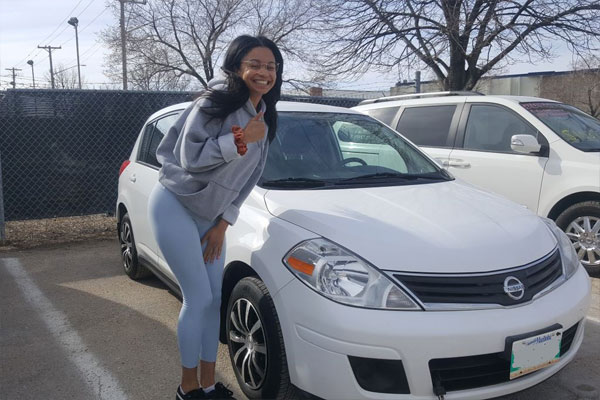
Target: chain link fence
60	150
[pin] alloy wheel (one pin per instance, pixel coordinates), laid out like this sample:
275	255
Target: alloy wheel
585	236
126	240
247	339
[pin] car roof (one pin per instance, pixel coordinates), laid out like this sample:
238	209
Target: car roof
282	106
446	98
524	99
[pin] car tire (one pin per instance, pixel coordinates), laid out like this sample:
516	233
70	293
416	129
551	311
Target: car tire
129	256
256	344
578	222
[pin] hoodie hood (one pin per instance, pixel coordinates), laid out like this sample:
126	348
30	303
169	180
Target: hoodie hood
217	83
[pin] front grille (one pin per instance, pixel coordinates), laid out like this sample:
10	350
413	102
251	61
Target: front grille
483	288
460	373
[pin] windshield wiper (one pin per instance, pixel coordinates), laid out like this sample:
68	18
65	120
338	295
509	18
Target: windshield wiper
385	175
295	182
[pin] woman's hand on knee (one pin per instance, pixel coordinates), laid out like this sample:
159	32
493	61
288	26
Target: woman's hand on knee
214	239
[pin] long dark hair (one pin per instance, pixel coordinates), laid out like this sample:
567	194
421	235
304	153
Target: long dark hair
224	102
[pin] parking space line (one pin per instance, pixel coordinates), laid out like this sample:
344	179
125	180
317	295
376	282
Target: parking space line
596	320
100	381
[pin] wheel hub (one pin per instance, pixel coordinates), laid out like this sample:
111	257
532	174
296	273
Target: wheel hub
247	344
126	246
584	233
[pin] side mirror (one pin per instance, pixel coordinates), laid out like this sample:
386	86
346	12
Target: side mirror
526	144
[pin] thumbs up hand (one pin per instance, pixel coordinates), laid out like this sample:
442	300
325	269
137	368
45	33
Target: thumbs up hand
255	129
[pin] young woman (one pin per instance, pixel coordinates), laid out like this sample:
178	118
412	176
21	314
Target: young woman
211	159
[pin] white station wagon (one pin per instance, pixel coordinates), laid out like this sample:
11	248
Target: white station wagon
365	271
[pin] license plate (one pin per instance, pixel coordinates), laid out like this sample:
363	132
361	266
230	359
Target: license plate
534	353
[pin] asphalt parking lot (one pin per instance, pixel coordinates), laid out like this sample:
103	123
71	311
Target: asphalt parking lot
72	325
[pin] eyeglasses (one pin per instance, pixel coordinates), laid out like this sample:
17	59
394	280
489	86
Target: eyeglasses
256	65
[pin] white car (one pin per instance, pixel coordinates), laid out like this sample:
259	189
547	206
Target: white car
368	272
537	152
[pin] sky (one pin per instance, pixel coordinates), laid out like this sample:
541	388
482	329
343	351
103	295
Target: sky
27	24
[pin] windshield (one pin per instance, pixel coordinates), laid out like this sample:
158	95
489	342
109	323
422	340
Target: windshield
574	126
330	150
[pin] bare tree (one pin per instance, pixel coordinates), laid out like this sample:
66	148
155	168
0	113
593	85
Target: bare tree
150	77
170	41
65	77
458	40
181	37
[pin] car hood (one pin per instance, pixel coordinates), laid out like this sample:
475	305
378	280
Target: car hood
438	227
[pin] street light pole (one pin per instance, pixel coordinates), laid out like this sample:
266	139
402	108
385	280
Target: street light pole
124	39
75	22
30	62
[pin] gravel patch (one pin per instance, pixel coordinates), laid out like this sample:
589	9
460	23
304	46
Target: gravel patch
41	232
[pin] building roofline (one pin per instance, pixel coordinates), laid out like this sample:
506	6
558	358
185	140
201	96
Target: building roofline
527	74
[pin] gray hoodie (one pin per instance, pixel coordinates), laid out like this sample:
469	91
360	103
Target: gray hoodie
200	163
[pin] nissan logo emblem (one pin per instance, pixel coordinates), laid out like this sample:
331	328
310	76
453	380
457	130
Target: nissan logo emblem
514	288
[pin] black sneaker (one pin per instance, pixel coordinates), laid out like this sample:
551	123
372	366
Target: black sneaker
219	392
192	394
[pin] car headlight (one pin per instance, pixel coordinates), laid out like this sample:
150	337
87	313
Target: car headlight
568	255
342	276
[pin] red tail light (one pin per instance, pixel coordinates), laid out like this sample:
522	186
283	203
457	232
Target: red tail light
123	166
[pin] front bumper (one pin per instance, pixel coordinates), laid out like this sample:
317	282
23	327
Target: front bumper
320	334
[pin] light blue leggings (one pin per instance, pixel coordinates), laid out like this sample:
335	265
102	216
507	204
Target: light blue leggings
178	236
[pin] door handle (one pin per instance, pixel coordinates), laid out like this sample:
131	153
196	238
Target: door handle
459	164
132	178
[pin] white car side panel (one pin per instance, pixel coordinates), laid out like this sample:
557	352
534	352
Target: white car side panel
515	176
568	171
140	180
261	241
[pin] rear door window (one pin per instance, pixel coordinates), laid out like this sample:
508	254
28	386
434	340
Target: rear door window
152	137
146	139
428	126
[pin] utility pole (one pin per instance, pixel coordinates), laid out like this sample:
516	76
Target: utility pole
14	81
124	39
49	49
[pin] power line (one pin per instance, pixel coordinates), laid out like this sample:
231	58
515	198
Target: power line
86	7
82	29
48	38
94	20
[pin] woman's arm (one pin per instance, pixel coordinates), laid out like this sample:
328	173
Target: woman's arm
232	212
199	148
